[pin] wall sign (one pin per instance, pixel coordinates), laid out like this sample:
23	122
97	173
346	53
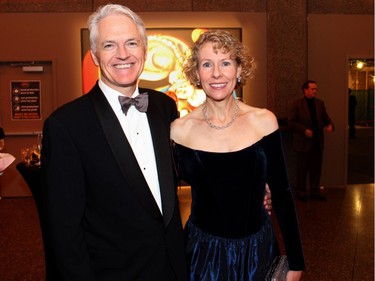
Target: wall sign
25	97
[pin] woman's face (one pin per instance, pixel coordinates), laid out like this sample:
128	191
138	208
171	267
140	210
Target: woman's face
217	72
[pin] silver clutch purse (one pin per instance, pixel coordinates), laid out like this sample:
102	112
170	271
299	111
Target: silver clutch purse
278	270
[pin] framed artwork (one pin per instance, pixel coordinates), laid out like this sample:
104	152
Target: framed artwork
168	48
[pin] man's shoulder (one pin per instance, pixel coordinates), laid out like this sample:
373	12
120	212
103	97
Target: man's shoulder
81	99
76	107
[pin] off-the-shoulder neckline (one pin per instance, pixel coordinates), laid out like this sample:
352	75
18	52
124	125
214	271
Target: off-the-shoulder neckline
227	152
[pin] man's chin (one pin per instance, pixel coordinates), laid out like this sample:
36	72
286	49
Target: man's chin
123	83
127	84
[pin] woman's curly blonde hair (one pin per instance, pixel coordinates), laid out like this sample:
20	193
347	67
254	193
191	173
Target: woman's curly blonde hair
226	42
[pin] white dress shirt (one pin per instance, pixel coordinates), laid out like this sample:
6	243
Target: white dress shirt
137	130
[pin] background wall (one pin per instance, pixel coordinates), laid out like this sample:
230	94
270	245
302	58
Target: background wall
314	41
332	41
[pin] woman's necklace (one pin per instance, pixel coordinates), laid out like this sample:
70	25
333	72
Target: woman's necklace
204	110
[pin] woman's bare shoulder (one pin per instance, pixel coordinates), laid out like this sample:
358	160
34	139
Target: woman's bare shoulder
182	126
262	119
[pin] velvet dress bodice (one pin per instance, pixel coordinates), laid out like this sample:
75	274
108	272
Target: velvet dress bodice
228	190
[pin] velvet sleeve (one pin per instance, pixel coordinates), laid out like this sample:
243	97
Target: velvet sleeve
282	200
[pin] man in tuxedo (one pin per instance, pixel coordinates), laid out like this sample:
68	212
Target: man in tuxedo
110	206
308	118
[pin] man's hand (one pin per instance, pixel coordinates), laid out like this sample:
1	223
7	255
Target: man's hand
329	128
309	133
267	200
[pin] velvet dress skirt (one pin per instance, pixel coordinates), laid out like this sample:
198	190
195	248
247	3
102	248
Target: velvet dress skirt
214	258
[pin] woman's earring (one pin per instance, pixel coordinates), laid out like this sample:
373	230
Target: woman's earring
198	84
238	80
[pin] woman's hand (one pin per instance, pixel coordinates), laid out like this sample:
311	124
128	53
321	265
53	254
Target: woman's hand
267	200
293	275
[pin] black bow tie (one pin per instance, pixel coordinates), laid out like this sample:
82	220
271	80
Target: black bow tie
140	102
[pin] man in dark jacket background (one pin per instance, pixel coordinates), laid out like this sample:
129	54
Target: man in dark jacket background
308	118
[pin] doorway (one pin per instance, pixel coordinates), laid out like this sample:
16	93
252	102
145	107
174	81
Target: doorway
361	137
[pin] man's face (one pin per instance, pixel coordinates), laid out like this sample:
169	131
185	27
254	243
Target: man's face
120	53
310	92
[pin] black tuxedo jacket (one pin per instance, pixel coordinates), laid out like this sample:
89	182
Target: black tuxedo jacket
99	218
299	120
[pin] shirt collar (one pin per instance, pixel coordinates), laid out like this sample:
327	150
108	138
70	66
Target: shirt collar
112	95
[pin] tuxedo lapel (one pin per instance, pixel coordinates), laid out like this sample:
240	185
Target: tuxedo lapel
160	139
123	153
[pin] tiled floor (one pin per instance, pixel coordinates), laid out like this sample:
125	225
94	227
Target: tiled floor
21	248
337	235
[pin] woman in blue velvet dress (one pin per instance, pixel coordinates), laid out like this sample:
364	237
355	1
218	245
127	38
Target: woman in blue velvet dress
227	151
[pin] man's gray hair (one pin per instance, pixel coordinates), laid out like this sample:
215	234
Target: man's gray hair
111	9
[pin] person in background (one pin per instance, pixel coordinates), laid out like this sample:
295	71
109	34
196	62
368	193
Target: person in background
227	151
110	209
351	114
308	118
